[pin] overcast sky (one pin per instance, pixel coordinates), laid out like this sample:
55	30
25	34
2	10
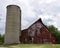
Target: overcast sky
47	10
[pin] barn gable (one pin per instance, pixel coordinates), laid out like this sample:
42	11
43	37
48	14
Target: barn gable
35	27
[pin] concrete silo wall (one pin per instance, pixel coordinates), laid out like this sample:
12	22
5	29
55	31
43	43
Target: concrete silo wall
13	24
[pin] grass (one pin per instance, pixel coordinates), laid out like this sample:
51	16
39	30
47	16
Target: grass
32	46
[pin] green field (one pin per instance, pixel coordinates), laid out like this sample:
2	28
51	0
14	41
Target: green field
31	46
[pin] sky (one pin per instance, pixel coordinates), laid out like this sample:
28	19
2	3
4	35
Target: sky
32	10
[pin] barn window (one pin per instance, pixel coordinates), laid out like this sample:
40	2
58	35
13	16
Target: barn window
38	25
31	33
38	31
33	27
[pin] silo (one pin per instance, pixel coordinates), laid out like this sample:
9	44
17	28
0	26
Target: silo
13	24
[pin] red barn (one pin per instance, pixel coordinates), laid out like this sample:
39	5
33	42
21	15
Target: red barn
37	33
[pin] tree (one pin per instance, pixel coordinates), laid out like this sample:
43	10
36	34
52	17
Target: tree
54	31
1	38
